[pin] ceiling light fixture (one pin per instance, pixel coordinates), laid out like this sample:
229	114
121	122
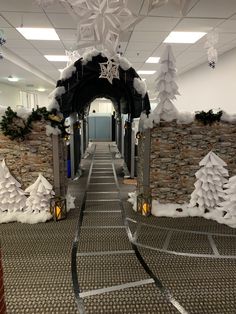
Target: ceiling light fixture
41	89
152	60
32	33
146	72
57	58
12	79
184	37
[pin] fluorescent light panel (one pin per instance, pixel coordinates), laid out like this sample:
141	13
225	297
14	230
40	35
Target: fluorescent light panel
12	79
146	72
152	60
32	33
57	58
184	37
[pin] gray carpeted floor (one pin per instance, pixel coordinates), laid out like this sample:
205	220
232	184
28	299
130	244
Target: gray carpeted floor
194	258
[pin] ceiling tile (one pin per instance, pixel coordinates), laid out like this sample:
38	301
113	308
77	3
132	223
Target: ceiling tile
66	34
214	9
27	19
159	24
44	44
142	46
60	20
197	25
228	26
156	37
21	6
3	22
12	33
12	43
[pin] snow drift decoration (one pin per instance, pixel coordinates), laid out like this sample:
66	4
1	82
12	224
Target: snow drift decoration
212	40
211	177
52	130
70	202
166	87
228	206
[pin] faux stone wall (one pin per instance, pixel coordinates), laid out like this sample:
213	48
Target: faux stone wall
26	159
176	151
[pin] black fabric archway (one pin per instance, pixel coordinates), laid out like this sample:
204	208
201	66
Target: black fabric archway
85	85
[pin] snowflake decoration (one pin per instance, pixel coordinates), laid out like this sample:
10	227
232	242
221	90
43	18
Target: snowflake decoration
109	70
182	5
72	56
101	22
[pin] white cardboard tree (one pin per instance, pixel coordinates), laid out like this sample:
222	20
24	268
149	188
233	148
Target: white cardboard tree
228	206
40	194
211	177
12	197
166	87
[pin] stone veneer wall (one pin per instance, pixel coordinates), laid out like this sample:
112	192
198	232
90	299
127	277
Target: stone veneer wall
26	159
176	151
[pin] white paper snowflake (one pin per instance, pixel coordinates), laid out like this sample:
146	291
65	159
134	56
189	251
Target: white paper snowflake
101	22
109	70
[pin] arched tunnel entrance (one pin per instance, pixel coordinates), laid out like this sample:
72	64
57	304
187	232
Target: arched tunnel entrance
95	76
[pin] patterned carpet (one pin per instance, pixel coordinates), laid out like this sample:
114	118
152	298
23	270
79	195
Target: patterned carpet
194	258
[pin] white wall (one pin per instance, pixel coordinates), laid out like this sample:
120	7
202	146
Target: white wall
204	88
101	106
9	96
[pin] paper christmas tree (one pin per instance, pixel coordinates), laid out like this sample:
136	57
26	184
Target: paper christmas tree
40	194
166	87
228	206
211	177
12	197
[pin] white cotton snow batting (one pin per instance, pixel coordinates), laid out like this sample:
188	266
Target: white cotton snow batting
228	117
53	105
88	56
23	113
124	63
140	86
2	111
60	90
52	131
67	72
185	117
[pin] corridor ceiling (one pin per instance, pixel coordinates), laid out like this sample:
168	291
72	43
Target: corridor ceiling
144	40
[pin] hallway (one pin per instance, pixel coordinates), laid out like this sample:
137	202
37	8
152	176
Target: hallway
192	260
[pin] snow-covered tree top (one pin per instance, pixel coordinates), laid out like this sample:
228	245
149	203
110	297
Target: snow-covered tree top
213	159
41	185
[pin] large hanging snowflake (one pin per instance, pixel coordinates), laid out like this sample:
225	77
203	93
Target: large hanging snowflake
109	70
101	22
182	5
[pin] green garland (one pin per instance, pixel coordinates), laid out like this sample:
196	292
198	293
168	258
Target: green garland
208	117
17	128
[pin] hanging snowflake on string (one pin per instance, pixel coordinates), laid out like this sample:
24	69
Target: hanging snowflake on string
72	56
2	38
212	55
109	70
101	22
